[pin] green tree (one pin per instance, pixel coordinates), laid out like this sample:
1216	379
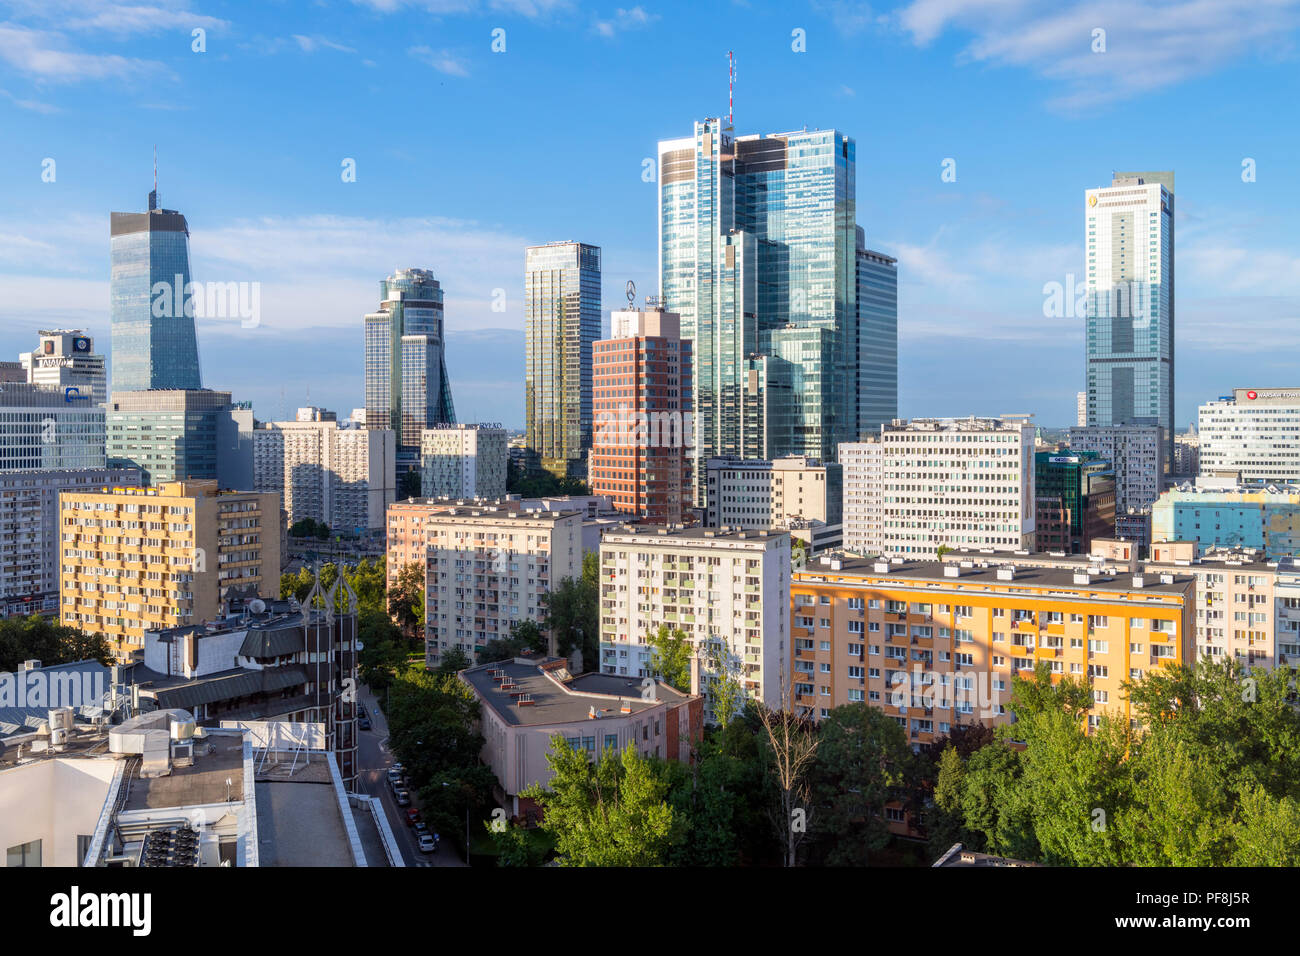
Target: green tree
610	812
861	758
452	662
525	636
406	600
573	612
670	657
408	485
798	553
517	846
39	638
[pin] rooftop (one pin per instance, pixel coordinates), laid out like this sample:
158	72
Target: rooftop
751	535
560	698
202	782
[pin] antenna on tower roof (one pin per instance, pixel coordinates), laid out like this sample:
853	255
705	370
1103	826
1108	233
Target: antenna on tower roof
731	89
153	196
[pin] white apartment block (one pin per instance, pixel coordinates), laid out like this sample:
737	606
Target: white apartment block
463	461
65	360
344	477
41	429
487	568
29	532
1255	433
754	493
1138	457
729	591
957	483
864	472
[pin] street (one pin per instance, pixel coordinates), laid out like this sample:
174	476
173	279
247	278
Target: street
375	760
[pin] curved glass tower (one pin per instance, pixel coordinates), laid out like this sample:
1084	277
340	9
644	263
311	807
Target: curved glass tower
151	303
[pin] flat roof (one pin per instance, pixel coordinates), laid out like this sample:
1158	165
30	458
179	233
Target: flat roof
1026	575
557	702
699	534
202	782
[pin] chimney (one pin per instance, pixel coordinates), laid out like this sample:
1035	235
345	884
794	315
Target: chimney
695	674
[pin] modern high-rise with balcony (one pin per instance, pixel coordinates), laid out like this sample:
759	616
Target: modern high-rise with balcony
759	254
561	324
1130	322
407	388
150	301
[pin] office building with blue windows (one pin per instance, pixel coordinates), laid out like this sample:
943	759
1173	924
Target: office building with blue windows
150	301
1130	320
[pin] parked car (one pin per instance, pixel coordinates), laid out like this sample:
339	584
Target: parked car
403	798
395	777
412	815
363	722
421	828
427	843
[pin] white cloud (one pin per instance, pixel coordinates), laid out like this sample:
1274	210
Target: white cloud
441	60
44	55
623	20
36	106
310	44
1149	44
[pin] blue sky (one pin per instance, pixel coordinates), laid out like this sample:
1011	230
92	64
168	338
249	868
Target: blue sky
465	155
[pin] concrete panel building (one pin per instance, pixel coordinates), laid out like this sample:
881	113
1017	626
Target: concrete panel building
463	461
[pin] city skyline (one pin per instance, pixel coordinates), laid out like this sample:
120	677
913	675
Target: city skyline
975	252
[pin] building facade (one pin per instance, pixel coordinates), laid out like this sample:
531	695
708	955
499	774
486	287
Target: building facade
1255	433
727	590
864	496
1230	516
644	423
488	568
65	361
140	559
151	303
176	435
343	477
407	388
935	645
41	430
561	323
1130	322
1136	454
1075	501
877	338
30	550
800	495
966	482
463	461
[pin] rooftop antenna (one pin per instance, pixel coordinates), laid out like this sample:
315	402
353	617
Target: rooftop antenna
153	196
731	89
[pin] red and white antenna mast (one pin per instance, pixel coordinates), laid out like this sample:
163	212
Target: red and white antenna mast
731	89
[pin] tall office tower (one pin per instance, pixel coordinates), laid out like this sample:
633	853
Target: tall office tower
463	461
201	543
407	388
179	434
1137	455
66	361
344	477
957	483
1255	433
864	495
644	428
757	253
877	339
150	301
41	429
561	322
1130	229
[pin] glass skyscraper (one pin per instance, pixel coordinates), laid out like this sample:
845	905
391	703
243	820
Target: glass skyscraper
561	324
407	388
877	339
150	301
1130	323
758	254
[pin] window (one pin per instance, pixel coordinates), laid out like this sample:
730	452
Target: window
611	741
25	854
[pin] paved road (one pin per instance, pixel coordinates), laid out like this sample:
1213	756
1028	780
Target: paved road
372	746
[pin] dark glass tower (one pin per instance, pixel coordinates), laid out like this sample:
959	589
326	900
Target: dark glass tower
151	302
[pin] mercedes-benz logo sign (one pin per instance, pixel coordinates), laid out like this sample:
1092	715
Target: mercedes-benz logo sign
631	292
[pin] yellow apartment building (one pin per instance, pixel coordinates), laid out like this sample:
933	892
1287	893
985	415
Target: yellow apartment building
935	644
139	559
